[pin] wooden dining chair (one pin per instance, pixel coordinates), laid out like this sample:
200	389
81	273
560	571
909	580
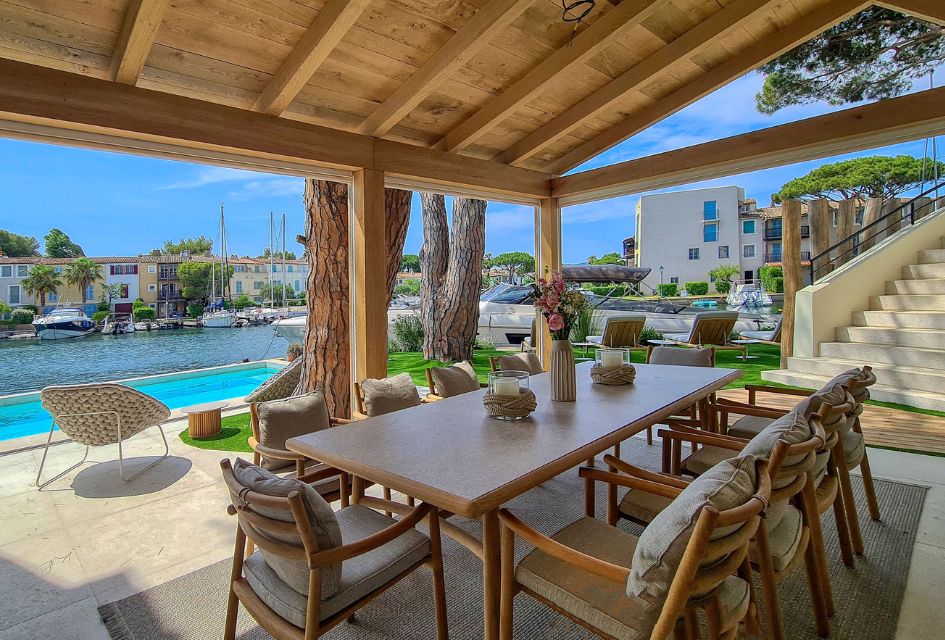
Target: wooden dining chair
693	559
315	568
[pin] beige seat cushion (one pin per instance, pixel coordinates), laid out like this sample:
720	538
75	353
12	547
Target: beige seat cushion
793	428
706	458
784	537
325	525
748	427
681	356
854	446
861	394
527	362
389	394
361	575
642	506
287	418
661	546
454	379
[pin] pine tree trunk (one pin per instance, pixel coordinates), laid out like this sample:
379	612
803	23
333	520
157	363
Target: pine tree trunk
397	210
451	267
327	341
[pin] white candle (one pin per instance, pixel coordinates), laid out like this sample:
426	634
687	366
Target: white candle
611	359
505	386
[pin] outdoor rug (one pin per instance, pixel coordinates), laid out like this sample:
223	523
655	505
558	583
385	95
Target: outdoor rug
868	596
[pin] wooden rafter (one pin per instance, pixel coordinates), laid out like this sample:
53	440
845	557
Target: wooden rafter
142	21
78	108
586	44
465	43
882	123
929	10
754	56
329	27
704	33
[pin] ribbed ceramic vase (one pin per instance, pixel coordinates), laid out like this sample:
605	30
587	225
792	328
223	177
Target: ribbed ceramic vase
563	382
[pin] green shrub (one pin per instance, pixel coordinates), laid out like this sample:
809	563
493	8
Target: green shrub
584	325
767	276
484	343
101	306
243	301
143	313
21	316
649	333
194	310
777	285
295	350
408	288
32	308
603	290
407	333
99	316
723	286
668	290
697	288
139	302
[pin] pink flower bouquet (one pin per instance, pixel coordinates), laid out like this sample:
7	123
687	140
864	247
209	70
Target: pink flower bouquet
560	306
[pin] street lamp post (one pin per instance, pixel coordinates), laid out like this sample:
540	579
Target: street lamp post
661	281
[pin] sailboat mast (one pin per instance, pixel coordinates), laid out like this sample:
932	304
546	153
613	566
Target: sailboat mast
225	261
272	234
284	303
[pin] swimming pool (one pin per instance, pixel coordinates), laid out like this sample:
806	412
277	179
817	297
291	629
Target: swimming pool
23	415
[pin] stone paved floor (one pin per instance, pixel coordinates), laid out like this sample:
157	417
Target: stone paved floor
91	539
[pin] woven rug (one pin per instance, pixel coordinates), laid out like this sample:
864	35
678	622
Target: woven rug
868	596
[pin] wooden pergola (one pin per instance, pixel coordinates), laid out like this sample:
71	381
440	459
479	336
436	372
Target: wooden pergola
492	98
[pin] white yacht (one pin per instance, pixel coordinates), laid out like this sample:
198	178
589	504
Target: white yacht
63	323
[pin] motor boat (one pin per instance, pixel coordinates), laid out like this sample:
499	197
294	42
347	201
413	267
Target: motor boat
749	295
115	325
220	319
63	323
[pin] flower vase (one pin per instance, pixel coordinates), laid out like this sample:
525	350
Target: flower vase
563	379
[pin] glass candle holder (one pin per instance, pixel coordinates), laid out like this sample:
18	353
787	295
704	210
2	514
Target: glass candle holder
508	383
612	358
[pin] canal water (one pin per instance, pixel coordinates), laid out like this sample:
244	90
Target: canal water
30	365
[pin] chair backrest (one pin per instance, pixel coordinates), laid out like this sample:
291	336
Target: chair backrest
359	398
681	357
90	413
712	327
717	548
622	331
281	385
776	334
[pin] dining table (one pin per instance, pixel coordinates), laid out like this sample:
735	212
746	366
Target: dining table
452	455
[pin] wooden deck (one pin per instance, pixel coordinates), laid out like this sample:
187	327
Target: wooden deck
883	427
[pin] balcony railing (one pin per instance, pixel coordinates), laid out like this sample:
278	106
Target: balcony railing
775	256
775	233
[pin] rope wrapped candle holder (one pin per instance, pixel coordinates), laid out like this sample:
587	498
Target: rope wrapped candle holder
508	396
612	367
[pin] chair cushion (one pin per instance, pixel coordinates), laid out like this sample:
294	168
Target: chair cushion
854	447
706	458
528	362
642	506
784	537
595	600
861	394
793	428
662	544
748	427
594	339
287	418
681	337
389	394
758	335
681	356
361	576
454	379
322	520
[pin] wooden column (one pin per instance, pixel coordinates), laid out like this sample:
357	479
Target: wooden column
894	223
846	215
819	213
547	255
922	207
793	277
368	253
874	208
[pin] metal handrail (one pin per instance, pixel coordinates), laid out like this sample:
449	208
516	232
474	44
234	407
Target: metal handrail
854	240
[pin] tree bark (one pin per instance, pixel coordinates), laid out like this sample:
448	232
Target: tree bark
451	267
397	210
327	337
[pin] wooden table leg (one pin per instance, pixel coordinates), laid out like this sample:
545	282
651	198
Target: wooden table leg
357	489
491	574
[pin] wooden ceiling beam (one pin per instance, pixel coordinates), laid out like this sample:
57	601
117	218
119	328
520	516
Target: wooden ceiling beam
142	21
316	44
929	10
751	58
585	44
80	109
458	50
715	26
882	123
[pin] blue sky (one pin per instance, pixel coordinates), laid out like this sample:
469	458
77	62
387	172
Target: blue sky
124	204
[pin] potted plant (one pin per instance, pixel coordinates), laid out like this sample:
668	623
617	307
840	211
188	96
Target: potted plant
294	351
561	308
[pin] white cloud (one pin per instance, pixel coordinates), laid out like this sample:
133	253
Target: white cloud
270	187
203	176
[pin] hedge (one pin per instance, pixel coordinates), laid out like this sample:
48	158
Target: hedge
618	291
768	275
668	290
777	285
143	313
723	286
697	288
21	316
99	316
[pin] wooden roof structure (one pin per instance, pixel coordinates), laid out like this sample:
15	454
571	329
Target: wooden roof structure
500	90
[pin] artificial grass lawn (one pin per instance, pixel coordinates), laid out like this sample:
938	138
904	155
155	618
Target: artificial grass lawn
236	429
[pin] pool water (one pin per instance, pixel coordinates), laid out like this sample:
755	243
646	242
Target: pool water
29	418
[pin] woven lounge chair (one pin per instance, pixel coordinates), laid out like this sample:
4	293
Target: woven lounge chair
620	331
101	414
709	328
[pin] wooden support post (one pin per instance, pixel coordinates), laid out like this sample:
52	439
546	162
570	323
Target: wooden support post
846	214
793	278
547	256
921	207
874	208
368	253
819	213
894	222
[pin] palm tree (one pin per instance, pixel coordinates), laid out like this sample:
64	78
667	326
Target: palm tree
82	273
41	280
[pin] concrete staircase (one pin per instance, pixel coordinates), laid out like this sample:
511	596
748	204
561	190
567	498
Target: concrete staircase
902	336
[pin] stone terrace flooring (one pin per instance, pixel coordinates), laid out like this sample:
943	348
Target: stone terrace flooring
92	539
